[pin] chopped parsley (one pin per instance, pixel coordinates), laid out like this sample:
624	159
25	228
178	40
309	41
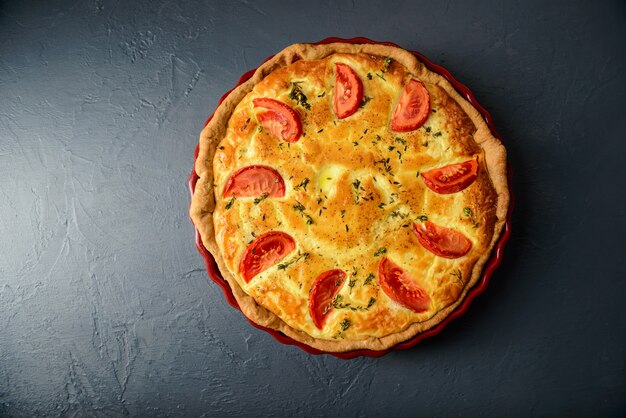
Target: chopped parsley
299	207
230	203
397	214
261	198
298	96
368	279
302	184
356	184
380	251
345	324
338	304
459	276
283	266
468	212
385	163
245	125
386	64
365	100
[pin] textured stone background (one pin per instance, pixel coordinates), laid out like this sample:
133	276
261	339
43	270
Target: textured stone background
105	306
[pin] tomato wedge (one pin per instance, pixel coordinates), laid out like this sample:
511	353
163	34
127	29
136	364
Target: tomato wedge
442	241
323	291
348	91
401	287
451	178
412	109
265	251
255	180
281	120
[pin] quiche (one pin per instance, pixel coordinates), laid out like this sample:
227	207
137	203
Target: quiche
349	196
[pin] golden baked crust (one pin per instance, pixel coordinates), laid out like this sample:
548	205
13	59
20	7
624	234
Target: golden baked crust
353	165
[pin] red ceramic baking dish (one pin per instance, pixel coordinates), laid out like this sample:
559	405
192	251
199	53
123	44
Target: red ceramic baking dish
491	265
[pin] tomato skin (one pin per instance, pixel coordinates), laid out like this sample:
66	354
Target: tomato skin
400	287
322	294
265	251
254	181
451	178
348	91
281	120
412	109
442	241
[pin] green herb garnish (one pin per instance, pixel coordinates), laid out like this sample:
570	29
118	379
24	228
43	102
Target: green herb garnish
299	207
345	324
261	198
302	184
283	266
397	214
468	212
459	276
356	184
386	64
380	251
298	96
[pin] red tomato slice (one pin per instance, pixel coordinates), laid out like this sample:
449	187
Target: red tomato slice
255	180
265	251
412	109
281	120
324	290
348	91
451	178
400	287
442	241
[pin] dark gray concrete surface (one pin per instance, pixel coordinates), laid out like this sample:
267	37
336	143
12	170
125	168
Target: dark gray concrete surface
105	304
